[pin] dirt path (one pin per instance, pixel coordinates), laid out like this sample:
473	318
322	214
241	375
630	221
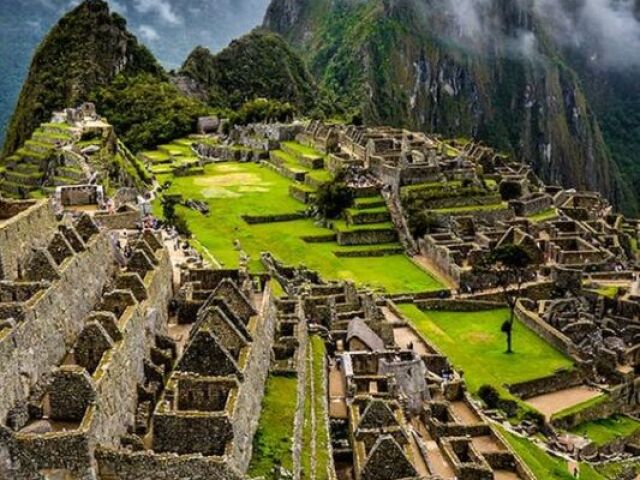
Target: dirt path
465	414
337	394
404	336
557	401
437	460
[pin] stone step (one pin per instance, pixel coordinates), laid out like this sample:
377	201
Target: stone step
72	173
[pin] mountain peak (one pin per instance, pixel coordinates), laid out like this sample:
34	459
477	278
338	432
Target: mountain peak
87	48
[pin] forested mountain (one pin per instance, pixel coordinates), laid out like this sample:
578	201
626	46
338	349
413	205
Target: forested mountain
170	28
517	74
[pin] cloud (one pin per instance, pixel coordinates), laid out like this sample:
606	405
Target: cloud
162	8
118	6
148	33
608	31
605	31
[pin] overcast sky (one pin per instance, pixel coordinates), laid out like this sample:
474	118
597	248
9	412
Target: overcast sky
170	28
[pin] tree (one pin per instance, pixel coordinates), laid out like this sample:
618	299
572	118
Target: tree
509	265
333	198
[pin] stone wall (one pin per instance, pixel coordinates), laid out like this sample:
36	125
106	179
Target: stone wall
546	331
553	383
367	236
249	405
30	228
298	421
53	321
119	221
123	465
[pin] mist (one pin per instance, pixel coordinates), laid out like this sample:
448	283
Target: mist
606	32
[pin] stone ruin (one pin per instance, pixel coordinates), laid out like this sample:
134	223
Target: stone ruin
397	410
101	378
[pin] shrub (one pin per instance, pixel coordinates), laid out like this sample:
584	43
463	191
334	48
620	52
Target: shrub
489	395
422	223
263	110
182	225
333	198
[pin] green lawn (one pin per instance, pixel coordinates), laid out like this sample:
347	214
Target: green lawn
318	404
273	440
303	149
606	430
543	465
236	189
474	343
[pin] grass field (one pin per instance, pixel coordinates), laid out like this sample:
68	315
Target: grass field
474	343
317	403
236	189
273	440
543	465
605	430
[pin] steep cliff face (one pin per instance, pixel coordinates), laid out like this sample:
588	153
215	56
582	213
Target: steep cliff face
408	63
260	64
86	49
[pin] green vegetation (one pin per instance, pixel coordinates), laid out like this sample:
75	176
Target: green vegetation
262	110
69	65
236	189
146	111
273	440
474	344
275	72
333	198
592	402
543	465
605	430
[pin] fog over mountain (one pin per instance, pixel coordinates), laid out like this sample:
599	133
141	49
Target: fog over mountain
607	32
170	28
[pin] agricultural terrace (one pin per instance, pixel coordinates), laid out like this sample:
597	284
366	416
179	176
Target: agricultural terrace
273	441
315	429
238	191
475	344
543	465
603	431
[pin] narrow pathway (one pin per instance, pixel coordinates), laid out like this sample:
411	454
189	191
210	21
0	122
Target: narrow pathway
337	394
437	460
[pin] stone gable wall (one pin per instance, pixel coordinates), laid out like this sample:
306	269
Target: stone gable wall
30	228
53	322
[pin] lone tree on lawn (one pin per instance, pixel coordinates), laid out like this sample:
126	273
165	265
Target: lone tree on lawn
509	265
